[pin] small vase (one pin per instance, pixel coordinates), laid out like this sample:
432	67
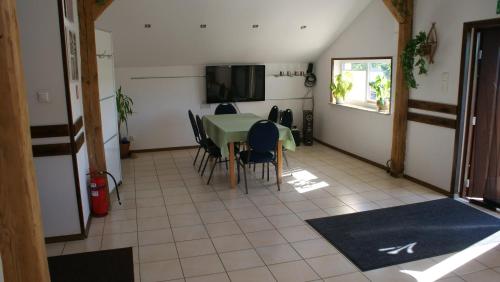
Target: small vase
383	105
339	101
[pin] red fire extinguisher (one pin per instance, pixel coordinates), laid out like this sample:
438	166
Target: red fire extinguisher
98	194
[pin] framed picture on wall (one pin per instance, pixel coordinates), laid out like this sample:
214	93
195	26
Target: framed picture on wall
72	55
68	10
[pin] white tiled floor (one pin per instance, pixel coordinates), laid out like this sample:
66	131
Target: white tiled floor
183	230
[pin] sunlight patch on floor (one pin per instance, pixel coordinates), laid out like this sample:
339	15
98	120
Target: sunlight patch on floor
457	260
304	181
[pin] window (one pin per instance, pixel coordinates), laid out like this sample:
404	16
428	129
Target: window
368	83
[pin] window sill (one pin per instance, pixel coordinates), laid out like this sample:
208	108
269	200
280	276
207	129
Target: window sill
362	108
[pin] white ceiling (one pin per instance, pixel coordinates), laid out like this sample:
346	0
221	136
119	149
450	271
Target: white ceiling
176	38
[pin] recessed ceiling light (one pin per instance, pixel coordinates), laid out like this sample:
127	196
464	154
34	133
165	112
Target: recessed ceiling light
147	26
203	26
303	26
255	26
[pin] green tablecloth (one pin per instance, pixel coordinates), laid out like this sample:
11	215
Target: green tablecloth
223	129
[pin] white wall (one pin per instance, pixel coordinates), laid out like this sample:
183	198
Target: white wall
429	154
368	134
160	105
43	68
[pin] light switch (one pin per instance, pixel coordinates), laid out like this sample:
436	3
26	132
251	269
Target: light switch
43	96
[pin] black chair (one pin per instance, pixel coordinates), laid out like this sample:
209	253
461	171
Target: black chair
273	114
225	109
196	134
205	142
212	149
286	120
262	140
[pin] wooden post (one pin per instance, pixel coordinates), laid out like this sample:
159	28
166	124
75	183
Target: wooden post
22	247
402	92
90	86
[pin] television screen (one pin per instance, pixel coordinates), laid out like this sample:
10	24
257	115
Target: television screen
239	83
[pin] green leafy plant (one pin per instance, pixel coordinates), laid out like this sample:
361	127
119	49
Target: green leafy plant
124	108
340	87
413	56
382	88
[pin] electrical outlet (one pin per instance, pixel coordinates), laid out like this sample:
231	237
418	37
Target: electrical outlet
43	96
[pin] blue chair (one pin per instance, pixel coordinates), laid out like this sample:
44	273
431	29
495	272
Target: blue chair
262	140
286	120
196	134
273	114
225	109
210	148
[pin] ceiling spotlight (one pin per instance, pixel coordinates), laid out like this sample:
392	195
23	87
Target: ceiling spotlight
147	26
203	26
303	26
255	26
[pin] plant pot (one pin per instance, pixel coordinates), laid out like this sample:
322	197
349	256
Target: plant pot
383	105
124	150
339	100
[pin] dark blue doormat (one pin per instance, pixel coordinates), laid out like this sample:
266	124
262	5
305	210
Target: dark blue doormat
115	265
384	237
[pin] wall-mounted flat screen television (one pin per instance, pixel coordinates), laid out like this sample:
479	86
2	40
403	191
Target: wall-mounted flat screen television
235	83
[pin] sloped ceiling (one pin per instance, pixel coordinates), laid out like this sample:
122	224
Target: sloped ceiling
175	36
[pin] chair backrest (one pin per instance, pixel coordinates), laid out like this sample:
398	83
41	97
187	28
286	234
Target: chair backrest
287	118
201	130
263	136
225	109
194	126
273	114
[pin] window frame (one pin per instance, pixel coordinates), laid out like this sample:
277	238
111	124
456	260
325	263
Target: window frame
368	105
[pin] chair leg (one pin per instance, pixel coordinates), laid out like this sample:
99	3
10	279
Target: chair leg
238	168
212	171
263	170
286	160
253	167
245	176
277	179
201	163
197	153
205	166
267	171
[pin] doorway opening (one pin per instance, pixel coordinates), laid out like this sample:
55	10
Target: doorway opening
477	151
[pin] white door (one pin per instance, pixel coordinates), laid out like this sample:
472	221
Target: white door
106	76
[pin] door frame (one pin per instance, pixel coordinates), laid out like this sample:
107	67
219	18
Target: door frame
466	100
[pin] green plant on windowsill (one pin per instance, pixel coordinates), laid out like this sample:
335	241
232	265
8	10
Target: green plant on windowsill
414	57
124	108
382	87
340	87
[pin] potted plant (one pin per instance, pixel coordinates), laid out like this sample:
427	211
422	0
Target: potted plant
124	108
339	88
414	56
382	87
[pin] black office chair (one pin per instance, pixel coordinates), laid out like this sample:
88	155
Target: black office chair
262	140
205	142
196	134
225	109
273	114
286	120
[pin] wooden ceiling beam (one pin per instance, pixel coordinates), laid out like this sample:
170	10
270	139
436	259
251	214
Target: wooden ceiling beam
395	11
21	233
100	6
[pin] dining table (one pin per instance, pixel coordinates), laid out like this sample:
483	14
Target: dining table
226	130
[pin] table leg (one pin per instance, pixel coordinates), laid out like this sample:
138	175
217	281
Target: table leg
280	160
232	175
